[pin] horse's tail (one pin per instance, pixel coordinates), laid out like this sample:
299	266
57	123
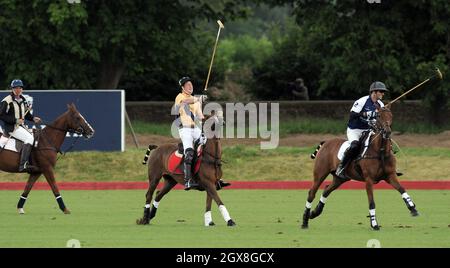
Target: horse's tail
147	154
313	155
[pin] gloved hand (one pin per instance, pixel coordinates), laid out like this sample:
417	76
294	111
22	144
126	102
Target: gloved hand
202	139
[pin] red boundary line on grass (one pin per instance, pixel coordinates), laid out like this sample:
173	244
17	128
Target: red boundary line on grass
268	185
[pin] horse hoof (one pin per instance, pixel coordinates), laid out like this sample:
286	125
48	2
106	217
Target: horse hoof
66	211
415	213
211	224
376	228
21	211
142	221
304	226
231	223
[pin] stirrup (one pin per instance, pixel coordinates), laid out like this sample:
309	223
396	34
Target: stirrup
340	173
190	184
28	168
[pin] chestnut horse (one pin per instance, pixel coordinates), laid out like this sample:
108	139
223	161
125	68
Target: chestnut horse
376	164
49	141
208	176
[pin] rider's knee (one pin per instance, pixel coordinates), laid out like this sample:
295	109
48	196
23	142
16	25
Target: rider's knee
188	154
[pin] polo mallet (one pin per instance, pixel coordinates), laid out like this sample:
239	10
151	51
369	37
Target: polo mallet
214	52
437	75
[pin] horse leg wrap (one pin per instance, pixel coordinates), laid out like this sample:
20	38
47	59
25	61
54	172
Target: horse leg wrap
153	212
208	219
317	211
224	212
408	201
60	202
306	215
410	204
21	202
373	220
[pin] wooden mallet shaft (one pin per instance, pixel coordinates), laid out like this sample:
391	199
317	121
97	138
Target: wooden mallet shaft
221	26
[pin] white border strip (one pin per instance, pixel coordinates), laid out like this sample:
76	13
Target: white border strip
122	119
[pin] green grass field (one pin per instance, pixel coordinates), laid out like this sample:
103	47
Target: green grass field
265	219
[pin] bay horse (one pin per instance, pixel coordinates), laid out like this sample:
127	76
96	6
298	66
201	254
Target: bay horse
209	173
49	141
376	163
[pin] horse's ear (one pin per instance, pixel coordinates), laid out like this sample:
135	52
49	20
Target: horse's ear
71	106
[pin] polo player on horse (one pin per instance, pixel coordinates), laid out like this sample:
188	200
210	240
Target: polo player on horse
189	117
14	110
363	112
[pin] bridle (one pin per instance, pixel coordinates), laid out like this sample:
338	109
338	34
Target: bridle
379	129
80	131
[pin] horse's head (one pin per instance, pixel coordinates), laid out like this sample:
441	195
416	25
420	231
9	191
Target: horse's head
77	123
384	122
212	130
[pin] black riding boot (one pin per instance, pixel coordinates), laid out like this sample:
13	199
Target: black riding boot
189	183
24	156
340	169
349	154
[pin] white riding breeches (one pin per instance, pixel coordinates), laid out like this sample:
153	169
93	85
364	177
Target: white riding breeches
354	134
22	134
188	136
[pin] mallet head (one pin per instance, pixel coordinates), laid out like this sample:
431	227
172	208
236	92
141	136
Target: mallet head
220	24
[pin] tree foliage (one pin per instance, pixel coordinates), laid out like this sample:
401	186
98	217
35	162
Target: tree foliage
106	44
340	47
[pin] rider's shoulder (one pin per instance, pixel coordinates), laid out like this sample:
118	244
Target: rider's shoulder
8	99
361	101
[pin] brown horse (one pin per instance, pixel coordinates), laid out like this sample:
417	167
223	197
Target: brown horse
49	141
210	172
376	164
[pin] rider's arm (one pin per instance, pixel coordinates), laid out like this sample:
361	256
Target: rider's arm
29	116
354	115
191	100
199	112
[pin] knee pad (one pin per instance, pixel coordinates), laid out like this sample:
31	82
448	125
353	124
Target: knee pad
188	155
354	147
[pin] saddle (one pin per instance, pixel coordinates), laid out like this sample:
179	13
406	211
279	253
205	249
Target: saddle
10	143
175	162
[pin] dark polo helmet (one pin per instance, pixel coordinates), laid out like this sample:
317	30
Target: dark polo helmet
378	86
184	80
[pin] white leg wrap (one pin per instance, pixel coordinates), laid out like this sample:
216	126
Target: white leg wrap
323	199
21	211
373	220
308	205
155	204
406	196
208	218
225	214
147	205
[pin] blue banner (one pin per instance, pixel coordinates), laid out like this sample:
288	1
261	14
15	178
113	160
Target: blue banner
103	109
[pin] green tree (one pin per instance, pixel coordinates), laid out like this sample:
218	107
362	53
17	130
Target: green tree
340	47
93	44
